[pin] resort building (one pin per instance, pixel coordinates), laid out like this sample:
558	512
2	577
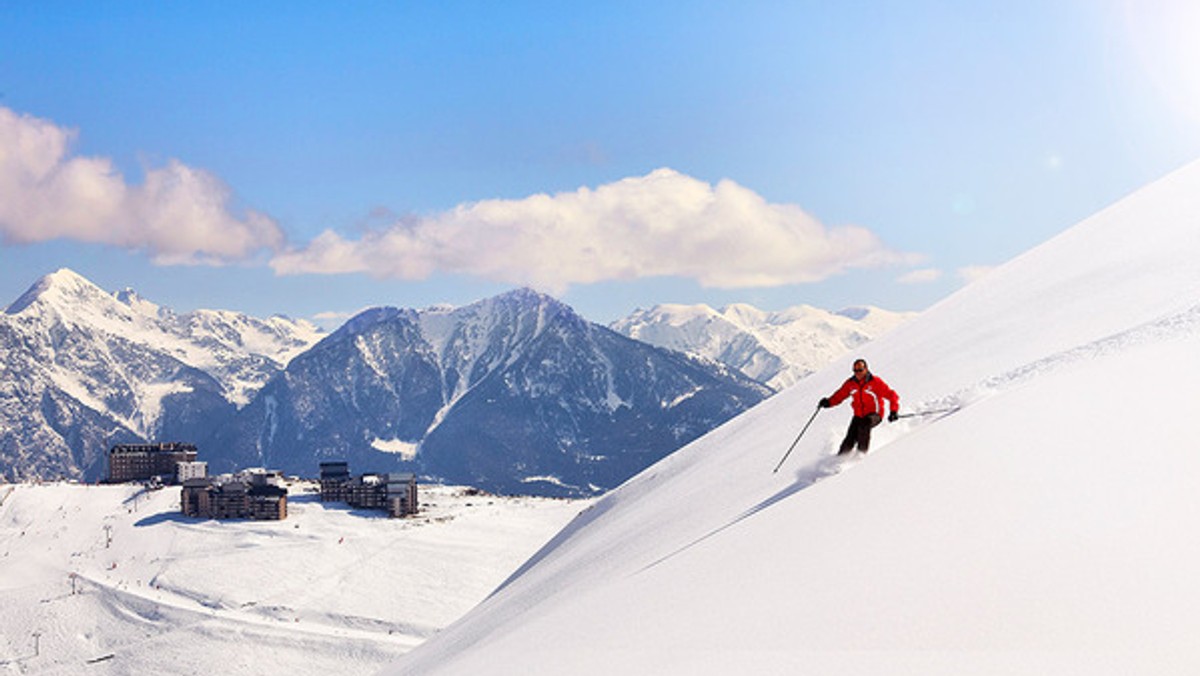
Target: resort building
251	494
394	493
143	462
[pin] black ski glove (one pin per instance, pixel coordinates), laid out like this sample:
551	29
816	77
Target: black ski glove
824	403
893	416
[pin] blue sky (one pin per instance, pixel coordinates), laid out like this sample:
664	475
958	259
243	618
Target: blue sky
314	159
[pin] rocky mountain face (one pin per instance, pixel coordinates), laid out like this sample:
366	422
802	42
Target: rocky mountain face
514	394
776	348
82	369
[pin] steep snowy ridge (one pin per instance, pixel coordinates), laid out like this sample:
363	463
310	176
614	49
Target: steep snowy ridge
777	348
1043	524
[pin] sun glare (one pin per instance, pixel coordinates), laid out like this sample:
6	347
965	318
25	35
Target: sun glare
1163	35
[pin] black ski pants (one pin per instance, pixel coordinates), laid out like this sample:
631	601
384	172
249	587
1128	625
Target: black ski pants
859	433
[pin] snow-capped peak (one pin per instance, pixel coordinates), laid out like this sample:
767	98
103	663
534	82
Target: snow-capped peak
61	287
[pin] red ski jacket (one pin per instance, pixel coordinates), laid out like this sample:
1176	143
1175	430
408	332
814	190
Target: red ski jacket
869	395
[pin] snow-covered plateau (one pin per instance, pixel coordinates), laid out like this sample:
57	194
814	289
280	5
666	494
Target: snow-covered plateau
114	580
1043	523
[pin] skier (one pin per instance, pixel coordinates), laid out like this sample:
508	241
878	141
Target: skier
869	392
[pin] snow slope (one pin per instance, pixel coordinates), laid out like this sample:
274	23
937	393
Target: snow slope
328	590
1046	526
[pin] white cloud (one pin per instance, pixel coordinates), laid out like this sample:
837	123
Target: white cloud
333	316
332	319
973	273
179	214
922	276
661	224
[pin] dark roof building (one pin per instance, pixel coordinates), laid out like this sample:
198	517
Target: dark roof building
334	476
142	462
253	494
394	493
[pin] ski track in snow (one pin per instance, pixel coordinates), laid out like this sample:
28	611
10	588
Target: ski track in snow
1174	326
254	613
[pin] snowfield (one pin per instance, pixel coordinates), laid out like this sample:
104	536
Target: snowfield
112	579
1045	525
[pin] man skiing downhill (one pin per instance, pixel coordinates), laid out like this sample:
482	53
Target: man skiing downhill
868	393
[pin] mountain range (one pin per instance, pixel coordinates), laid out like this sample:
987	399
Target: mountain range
775	348
514	394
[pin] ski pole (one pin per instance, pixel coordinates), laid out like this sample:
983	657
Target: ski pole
934	412
789	450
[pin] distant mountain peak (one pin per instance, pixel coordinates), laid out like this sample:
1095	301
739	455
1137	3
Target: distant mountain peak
367	318
526	297
63	284
775	347
68	277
